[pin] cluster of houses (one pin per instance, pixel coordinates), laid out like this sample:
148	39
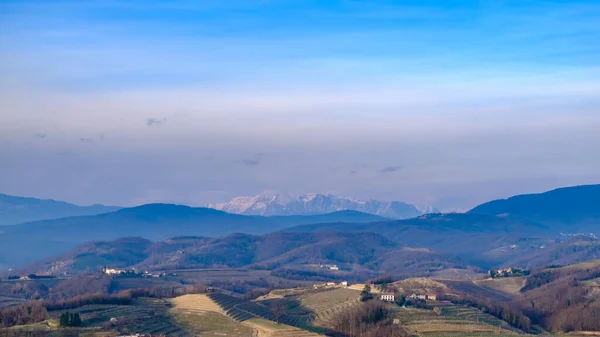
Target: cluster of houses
134	272
32	277
508	272
330	285
329	266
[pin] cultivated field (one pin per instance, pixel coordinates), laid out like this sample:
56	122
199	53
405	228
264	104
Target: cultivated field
454	274
420	285
195	304
327	303
6	301
508	285
208	276
230	316
146	316
211	324
469	287
453	321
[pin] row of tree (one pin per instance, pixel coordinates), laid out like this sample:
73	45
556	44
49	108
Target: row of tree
68	319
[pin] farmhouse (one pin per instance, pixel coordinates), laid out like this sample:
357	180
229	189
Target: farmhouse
329	266
430	297
113	271
390	297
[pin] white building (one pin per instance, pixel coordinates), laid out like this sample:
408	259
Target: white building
390	297
112	271
344	283
430	297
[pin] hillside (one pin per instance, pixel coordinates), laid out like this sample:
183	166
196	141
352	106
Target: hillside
40	239
268	204
466	235
565	299
572	250
570	209
367	252
15	210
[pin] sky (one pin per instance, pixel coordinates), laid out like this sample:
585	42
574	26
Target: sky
433	102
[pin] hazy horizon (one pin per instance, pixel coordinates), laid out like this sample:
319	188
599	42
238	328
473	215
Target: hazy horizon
443	103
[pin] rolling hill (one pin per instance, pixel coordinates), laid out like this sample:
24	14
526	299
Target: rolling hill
570	209
466	235
572	250
34	240
564	299
368	252
15	210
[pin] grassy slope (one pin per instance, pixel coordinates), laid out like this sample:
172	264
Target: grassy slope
508	285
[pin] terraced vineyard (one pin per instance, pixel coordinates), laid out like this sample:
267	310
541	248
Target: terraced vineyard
454	321
326	304
213	310
241	310
211	324
147	316
8	301
196	304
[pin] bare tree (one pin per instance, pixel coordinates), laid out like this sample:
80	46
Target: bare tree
278	309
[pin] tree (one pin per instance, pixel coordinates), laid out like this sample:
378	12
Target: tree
400	299
64	319
278	309
76	320
365	294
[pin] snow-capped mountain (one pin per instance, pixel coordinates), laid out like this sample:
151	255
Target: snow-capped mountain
429	210
273	203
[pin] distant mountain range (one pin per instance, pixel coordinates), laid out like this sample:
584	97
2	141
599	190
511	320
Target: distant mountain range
267	204
525	230
15	210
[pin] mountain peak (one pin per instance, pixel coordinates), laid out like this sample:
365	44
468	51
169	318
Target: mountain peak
276	203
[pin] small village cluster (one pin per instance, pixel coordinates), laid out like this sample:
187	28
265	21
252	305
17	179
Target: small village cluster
330	285
329	266
391	297
508	272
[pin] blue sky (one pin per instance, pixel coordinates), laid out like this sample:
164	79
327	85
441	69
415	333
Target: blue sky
472	99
